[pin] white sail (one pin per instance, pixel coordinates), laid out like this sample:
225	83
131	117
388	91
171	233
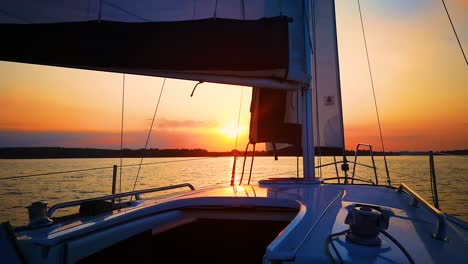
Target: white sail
327	112
287	73
326	102
258	43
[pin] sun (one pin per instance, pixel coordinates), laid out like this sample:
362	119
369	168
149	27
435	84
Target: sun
231	130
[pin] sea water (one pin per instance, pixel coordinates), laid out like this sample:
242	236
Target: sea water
86	178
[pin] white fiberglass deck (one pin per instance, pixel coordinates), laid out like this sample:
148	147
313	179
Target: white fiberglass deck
310	211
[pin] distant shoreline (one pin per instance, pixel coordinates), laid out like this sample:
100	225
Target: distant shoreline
59	152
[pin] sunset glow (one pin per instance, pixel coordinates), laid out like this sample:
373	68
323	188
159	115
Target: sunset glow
231	130
420	82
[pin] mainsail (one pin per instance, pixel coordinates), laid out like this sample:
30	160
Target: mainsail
286	50
238	42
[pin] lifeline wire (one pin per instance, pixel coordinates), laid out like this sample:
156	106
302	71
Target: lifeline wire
98	168
149	133
373	92
51	173
423	179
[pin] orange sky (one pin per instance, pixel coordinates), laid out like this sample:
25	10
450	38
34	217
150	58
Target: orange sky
420	78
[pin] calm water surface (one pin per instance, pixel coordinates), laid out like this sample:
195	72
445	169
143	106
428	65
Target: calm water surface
15	194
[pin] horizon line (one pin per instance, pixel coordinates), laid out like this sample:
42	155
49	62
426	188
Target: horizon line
224	151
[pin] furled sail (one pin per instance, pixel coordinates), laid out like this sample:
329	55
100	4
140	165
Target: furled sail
326	102
276	116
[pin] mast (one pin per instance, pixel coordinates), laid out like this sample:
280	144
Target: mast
308	153
322	105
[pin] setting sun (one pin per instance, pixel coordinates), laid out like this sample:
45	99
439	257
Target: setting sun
231	130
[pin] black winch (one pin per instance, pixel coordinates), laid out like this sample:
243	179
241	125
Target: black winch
365	223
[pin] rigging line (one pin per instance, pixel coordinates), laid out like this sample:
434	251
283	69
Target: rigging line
344	166
373	92
243	9
238	117
215	9
305	123
149	133
243	165
100	9
193	91
329	241
251	163
168	161
307	18
121	133
432	187
336	168
316	96
363	178
52	173
297	133
455	32
237	137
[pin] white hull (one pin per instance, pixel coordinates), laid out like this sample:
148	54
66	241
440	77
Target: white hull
279	221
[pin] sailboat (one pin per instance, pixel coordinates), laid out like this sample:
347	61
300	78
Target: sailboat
286	51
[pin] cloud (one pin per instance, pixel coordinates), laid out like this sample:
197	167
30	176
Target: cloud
168	123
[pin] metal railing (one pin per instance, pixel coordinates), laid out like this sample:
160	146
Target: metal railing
441	228
365	165
137	194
